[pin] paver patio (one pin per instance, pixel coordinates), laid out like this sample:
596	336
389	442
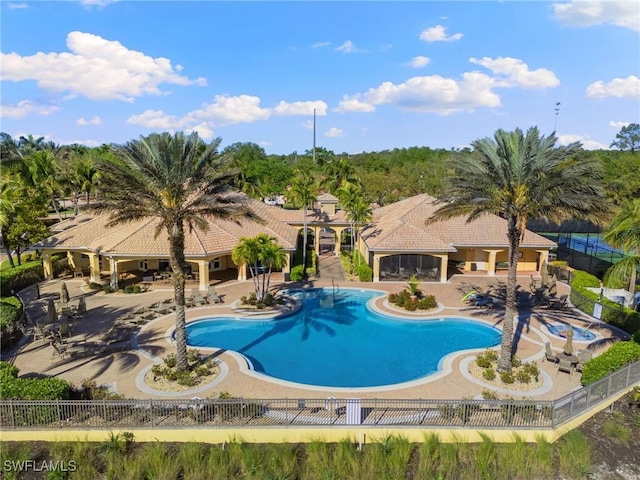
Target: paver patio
121	369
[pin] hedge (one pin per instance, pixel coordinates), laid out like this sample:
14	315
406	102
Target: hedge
613	359
19	277
583	300
12	387
10	316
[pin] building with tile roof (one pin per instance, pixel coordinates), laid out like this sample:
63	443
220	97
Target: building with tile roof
398	242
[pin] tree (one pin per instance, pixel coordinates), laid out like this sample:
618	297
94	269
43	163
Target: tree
248	251
520	176
178	180
26	226
338	173
261	253
624	233
358	210
628	138
304	192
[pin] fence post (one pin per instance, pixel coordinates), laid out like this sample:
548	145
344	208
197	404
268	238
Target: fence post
104	412
151	414
11	412
58	410
553	414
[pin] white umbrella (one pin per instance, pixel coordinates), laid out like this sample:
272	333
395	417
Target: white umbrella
82	306
544	274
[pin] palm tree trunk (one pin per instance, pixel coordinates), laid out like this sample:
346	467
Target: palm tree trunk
511	310
176	259
263	294
7	249
304	242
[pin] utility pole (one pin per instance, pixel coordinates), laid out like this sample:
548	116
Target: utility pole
314	137
555	123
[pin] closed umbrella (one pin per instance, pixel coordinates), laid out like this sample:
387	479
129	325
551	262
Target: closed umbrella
544	274
64	293
52	315
568	346
82	306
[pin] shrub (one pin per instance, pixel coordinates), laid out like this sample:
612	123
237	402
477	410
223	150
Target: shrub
137	289
107	289
10	319
297	273
392	298
95	286
616	357
171	360
128	289
486	358
12	387
410	305
636	337
507	377
523	376
515	361
365	273
489	374
427	303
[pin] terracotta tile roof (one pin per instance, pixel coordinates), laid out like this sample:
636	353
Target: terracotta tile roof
327	198
138	238
401	226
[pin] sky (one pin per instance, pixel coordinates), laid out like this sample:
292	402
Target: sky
379	75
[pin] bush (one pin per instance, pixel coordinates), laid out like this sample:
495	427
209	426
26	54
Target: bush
489	374
507	377
95	286
12	387
583	299
10	320
297	273
486	358
636	337
128	289
19	277
365	273
137	289
410	305
427	303
523	376
616	357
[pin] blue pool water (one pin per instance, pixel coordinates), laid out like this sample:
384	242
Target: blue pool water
579	334
335	340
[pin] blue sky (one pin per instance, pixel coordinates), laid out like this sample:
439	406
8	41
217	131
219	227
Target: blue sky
380	75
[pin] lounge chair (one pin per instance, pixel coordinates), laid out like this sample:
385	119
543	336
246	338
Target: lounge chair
65	327
549	355
565	366
64	349
213	296
198	298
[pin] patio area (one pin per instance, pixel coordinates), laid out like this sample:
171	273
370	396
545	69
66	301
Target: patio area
147	342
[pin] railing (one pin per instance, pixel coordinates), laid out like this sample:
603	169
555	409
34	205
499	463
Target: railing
240	412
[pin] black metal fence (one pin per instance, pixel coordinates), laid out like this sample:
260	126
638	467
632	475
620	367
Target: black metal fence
240	412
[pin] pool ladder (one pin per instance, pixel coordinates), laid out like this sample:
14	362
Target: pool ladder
334	287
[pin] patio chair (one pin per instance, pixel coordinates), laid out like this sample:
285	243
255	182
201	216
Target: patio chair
561	303
65	327
583	357
432	273
548	353
198	298
64	349
213	296
565	366
39	333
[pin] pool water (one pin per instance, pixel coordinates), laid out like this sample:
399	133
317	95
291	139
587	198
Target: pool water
335	340
579	334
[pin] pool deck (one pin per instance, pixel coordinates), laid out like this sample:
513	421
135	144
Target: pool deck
121	370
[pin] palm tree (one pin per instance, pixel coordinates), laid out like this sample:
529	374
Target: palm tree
358	210
179	180
272	256
8	197
43	174
624	233
520	176
303	191
339	173
247	251
86	175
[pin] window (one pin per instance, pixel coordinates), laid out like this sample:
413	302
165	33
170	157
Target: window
144	265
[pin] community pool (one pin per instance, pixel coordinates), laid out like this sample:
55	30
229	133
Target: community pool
336	340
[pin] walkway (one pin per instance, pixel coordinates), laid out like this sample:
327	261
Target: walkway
120	370
330	268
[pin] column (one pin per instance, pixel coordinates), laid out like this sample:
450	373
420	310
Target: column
491	270
242	271
203	272
444	264
376	267
336	247
316	239
94	268
286	268
71	259
47	265
543	260
113	266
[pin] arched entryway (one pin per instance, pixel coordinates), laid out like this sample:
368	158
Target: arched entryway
402	266
327	241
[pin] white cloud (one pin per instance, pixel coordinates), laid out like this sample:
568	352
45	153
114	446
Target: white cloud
17	6
515	72
92	121
224	110
419	61
618	87
618	125
354	104
587	142
348	47
203	130
24	108
96	68
623	13
334	132
300	108
264	143
96	3
438	34
320	44
308	124
386	48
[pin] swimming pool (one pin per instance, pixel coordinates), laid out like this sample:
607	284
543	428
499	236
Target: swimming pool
579	334
336	340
